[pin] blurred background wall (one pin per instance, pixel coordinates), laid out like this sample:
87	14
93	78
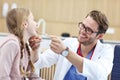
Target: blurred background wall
63	15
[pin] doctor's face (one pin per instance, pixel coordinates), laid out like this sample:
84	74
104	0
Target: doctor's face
88	30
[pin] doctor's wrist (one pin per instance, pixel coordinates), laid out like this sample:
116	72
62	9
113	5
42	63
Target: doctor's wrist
65	52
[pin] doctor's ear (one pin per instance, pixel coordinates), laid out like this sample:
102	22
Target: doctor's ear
100	36
24	24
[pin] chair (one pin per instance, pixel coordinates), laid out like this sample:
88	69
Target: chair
115	74
47	73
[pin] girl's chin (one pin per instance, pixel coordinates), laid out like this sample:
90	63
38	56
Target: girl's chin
34	34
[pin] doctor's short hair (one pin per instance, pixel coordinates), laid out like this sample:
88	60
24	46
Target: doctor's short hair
101	19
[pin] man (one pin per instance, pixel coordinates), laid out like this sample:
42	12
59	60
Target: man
85	58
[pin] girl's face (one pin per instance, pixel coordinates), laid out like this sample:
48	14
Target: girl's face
31	26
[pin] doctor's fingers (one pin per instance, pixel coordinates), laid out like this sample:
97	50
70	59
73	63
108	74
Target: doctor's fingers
34	39
35	42
59	46
54	44
35	46
56	39
55	49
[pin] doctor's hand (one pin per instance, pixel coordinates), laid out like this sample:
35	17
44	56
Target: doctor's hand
34	42
57	45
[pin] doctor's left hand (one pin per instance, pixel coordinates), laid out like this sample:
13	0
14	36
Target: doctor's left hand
57	45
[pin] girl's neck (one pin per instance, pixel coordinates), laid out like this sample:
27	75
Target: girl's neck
26	37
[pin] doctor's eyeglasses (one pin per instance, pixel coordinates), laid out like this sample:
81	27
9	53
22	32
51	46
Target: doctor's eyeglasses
88	30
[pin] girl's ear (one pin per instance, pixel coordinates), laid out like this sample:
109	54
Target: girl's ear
24	24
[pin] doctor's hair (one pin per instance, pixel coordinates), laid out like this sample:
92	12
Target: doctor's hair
101	19
14	20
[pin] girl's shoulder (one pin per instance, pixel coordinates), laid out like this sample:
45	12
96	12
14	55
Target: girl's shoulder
9	39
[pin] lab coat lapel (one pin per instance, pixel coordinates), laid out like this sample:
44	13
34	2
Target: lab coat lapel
97	51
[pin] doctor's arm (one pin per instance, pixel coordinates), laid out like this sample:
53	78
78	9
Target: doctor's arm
45	59
34	43
58	47
83	65
99	68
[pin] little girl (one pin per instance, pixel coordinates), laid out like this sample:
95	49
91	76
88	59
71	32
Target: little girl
15	55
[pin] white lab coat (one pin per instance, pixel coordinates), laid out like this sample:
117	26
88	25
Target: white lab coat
97	68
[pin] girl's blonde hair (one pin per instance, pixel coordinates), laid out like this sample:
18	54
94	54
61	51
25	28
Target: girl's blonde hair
14	20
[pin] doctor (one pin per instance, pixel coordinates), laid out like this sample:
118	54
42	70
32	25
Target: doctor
85	58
